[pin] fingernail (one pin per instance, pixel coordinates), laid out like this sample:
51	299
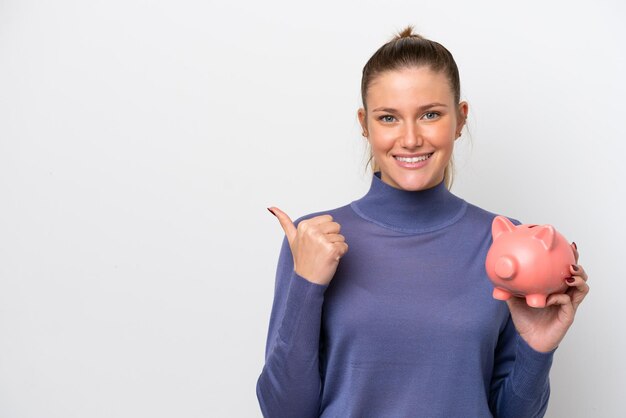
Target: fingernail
570	280
272	212
575	267
574	244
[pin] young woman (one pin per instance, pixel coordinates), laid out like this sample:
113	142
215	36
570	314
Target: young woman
402	322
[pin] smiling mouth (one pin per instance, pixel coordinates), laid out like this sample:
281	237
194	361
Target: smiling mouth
414	159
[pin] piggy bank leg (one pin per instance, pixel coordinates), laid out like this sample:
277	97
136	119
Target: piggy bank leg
501	294
536	301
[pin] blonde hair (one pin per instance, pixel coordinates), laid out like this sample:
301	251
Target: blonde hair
408	49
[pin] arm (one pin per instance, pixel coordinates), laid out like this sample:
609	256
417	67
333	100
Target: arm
290	383
520	385
521	369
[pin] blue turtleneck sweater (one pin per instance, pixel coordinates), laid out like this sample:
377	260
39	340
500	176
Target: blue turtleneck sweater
407	327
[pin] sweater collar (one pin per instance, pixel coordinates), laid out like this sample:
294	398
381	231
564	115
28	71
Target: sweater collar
409	211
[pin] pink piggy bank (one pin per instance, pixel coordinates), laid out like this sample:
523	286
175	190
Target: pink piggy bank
530	261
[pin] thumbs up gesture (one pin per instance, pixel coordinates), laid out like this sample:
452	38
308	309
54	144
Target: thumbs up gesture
316	245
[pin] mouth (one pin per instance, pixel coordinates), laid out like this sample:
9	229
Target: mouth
413	159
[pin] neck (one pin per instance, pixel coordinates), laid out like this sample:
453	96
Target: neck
409	211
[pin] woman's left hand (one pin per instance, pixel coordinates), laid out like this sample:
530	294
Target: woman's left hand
544	328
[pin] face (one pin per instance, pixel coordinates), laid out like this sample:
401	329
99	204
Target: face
411	124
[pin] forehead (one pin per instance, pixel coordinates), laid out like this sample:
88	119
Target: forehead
409	86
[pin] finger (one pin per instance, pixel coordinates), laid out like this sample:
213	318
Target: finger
285	223
329	228
575	250
577	287
578	270
565	302
341	249
335	238
577	291
576	281
558	299
320	219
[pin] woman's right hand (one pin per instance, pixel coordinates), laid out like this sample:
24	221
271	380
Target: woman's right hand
316	245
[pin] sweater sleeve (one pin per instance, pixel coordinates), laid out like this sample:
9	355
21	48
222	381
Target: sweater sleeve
520	385
290	383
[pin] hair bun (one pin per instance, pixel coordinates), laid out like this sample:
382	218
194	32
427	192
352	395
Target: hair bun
407	33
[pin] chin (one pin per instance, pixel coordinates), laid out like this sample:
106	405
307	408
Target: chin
414	187
413	183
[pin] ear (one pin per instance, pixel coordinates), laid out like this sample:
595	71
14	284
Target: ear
463	110
362	115
500	225
546	235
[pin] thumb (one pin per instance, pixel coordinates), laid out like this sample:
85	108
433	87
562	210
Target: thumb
286	223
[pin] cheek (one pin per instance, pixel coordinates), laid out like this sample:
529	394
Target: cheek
382	140
442	130
382	147
442	136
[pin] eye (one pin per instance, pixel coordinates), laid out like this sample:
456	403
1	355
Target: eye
386	116
431	115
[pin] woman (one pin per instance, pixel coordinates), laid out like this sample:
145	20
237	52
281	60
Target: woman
402	322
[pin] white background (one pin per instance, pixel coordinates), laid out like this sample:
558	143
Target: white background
141	142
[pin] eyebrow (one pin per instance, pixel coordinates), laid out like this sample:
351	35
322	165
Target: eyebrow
392	110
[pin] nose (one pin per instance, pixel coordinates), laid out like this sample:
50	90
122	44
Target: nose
411	136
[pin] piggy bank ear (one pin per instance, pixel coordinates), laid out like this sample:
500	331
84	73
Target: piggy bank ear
546	235
500	225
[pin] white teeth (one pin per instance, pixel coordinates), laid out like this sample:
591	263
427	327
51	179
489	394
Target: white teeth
414	159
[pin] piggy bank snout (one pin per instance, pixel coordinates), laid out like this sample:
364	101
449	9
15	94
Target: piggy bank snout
505	267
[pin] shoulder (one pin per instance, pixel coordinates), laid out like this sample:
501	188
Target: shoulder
339	213
480	215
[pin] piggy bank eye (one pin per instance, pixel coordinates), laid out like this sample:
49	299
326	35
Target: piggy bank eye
532	226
